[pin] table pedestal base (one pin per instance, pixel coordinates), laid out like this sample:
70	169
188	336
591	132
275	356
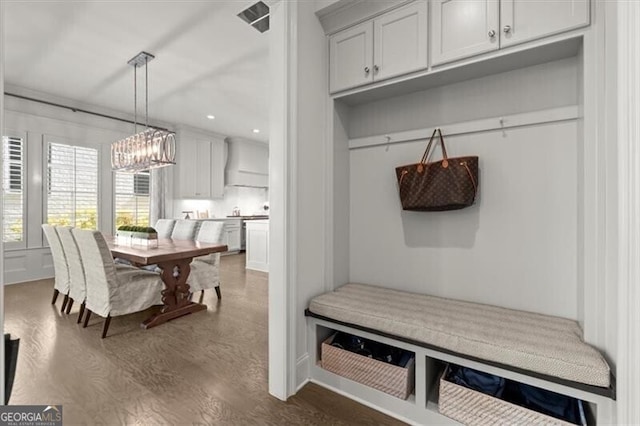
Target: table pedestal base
162	317
176	294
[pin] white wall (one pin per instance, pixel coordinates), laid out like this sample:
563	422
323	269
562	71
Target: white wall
549	85
297	176
312	52
516	247
40	122
1	249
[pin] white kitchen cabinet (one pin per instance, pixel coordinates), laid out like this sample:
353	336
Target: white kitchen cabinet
200	167
393	44
257	256
231	235
524	20
463	28
351	59
400	41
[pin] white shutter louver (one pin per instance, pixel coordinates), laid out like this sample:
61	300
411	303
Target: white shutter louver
13	189
132	200
72	186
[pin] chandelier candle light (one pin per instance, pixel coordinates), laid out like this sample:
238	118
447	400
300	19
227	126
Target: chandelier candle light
151	148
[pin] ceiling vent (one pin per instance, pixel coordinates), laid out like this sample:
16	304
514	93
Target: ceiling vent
257	16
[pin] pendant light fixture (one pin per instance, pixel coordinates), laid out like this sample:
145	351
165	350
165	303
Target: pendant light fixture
151	148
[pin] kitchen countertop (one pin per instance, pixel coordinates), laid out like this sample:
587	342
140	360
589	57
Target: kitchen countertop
253	217
221	218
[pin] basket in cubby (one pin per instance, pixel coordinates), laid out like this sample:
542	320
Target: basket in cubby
392	379
473	408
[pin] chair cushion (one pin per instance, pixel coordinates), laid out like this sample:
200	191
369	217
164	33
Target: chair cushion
539	343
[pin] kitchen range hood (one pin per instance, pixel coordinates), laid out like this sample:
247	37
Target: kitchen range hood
247	163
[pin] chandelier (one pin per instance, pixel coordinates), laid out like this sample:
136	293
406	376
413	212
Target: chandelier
151	148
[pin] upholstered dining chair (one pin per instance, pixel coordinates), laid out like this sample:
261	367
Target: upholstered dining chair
205	270
185	229
77	283
113	289
60	267
164	227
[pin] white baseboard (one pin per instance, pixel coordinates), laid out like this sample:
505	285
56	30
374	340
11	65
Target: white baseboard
303	373
303	384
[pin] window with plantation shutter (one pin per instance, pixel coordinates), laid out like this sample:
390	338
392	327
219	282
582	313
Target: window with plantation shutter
13	189
72	186
132	199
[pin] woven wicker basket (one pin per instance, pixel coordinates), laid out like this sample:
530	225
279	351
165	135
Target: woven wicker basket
392	379
474	408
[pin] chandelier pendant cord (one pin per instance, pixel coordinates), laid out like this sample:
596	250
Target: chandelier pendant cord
146	90
135	100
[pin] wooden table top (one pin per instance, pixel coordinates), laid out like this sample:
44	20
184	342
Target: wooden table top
167	250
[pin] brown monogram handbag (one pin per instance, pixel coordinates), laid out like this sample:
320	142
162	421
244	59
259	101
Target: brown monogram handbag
448	184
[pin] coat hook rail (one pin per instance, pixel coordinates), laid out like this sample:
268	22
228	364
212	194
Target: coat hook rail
482	125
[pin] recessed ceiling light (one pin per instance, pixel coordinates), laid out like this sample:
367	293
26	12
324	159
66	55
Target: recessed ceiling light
256	130
211	117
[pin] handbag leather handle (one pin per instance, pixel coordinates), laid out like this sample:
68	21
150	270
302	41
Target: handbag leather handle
425	156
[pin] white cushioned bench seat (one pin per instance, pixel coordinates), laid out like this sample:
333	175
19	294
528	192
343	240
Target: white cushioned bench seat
539	343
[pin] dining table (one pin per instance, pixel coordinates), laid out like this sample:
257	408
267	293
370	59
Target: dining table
173	258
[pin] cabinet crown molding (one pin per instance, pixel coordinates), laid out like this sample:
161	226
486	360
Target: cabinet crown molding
346	13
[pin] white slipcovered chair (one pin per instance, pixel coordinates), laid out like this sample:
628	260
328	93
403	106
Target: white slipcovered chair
205	270
164	227
113	289
78	284
185	229
60	267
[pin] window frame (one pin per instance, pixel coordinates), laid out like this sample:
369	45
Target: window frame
22	244
46	139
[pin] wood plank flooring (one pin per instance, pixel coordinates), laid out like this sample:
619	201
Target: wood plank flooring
202	369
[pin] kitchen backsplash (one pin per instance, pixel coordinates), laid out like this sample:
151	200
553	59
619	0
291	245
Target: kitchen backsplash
248	200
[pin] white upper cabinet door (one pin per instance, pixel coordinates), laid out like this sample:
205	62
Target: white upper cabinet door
463	28
400	41
351	57
194	163
202	169
524	20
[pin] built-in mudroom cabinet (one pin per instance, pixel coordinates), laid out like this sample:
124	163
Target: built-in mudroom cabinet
517	83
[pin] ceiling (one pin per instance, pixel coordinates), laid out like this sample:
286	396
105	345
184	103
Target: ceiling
208	61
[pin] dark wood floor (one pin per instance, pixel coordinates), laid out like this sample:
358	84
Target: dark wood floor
206	368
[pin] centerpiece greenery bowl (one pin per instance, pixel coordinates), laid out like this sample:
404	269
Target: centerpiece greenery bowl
133	231
136	233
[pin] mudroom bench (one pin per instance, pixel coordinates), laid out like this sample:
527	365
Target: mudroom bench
522	347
